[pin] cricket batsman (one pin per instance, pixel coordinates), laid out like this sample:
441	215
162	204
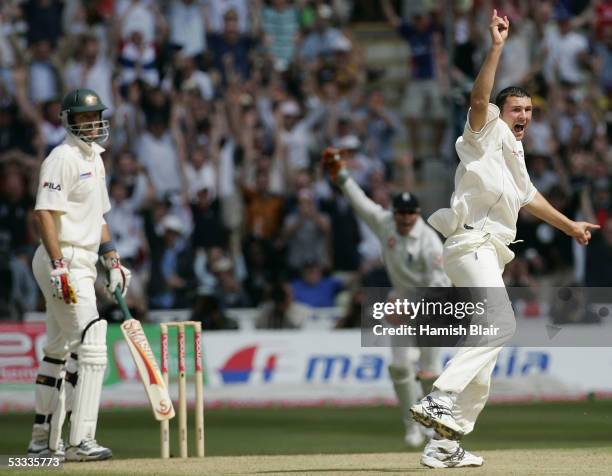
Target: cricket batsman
70	204
412	253
491	186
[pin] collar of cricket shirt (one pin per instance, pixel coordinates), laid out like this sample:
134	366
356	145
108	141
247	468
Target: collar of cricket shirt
89	151
417	229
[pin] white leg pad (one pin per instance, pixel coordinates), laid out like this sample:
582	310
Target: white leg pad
48	398
92	364
64	406
57	420
406	390
48	382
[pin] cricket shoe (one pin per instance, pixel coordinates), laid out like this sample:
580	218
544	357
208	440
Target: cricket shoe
448	454
435	411
88	450
40	449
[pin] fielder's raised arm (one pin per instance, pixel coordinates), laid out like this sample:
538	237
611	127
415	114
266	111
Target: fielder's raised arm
335	167
483	86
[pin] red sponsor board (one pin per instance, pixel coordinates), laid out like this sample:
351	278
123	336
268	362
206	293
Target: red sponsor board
20	351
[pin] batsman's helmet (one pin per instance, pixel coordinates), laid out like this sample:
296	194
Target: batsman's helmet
84	100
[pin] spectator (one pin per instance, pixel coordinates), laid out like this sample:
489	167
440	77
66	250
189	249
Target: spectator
208	229
206	309
263	210
19	290
172	274
295	133
574	125
360	165
44	19
423	96
231	49
229	291
278	311
44	77
380	126
130	173
313	289
565	50
319	43
188	27
603	59
194	79
542	177
599	257
52	131
344	234
137	15
126	223
137	59
306	233
16	225
157	153
280	24
91	70
263	268
217	9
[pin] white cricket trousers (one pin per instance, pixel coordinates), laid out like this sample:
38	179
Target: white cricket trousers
470	262
66	322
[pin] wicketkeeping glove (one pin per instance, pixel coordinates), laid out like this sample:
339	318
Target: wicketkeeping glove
116	276
334	165
61	281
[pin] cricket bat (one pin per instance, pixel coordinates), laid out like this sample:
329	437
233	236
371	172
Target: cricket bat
151	377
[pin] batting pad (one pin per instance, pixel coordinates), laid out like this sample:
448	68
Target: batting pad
48	386
64	405
92	364
406	390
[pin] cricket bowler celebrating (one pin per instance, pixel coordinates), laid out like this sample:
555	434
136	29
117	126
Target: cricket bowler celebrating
491	186
70	204
412	253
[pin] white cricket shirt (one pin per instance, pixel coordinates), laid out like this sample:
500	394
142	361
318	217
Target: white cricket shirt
414	260
72	182
491	182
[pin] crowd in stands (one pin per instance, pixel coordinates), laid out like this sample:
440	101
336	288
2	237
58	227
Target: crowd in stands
219	111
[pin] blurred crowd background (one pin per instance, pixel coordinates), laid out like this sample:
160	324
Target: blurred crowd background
220	109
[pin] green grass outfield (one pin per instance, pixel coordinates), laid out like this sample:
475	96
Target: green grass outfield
277	431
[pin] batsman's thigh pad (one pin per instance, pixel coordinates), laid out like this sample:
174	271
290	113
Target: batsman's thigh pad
92	364
65	322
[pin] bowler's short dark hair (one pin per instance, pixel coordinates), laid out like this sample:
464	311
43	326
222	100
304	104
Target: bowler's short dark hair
516	91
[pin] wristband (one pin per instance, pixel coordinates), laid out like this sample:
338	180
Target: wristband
343	176
59	263
106	247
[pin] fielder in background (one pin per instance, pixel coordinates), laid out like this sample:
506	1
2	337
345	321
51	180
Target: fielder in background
70	204
491	186
412	253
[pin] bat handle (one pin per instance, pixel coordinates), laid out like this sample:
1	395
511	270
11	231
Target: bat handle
124	309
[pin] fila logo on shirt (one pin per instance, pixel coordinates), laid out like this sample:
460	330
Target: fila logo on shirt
52	186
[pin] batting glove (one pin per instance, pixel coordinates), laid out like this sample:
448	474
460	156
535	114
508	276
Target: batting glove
117	276
61	283
334	165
